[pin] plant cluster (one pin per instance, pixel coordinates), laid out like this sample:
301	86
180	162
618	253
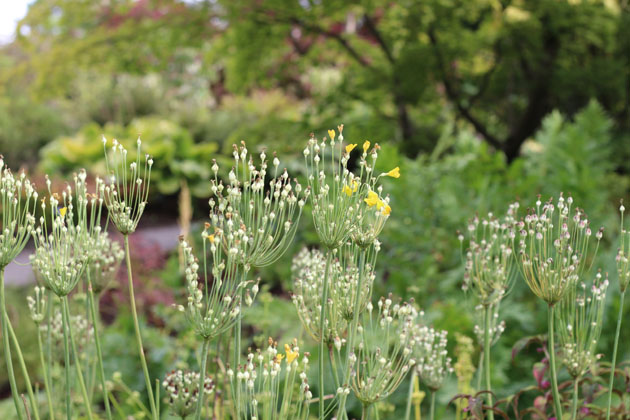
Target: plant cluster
372	347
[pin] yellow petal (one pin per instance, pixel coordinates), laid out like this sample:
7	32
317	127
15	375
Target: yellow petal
372	199
347	190
62	211
291	355
379	204
355	186
211	238
366	146
279	357
331	134
387	210
394	173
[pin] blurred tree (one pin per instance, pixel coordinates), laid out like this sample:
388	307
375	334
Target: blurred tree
500	64
60	38
386	67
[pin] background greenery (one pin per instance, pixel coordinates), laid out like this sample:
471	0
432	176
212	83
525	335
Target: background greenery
479	102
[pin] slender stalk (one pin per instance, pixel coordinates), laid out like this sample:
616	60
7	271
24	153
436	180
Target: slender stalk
365	412
77	362
322	324
40	347
237	345
410	395
552	363
432	409
202	377
486	357
27	379
66	354
49	359
352	332
97	343
480	370
575	399
136	325
7	349
611	381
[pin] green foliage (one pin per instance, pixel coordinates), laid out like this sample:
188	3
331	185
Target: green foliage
176	156
25	126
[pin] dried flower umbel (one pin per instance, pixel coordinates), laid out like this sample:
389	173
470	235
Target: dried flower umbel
274	384
385	350
308	273
126	197
554	254
433	365
580	318
490	256
432	362
489	273
214	305
182	391
554	248
258	220
61	246
127	192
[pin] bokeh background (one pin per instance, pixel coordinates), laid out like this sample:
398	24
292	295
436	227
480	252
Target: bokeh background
480	103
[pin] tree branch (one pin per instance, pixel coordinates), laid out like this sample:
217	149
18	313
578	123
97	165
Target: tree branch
369	24
454	96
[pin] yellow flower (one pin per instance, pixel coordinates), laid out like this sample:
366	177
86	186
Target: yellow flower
348	190
279	357
366	146
394	173
331	133
350	147
211	238
291	355
387	210
372	199
62	211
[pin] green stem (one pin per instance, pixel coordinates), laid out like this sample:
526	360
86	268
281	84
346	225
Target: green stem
352	332
77	361
202	378
49	359
66	354
575	399
136	325
486	357
410	395
40	347
552	363
7	349
238	327
97	343
365	411
479	370
333	366
322	323
27	379
611	381
432	409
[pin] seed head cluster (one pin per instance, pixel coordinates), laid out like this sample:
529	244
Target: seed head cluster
182	391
